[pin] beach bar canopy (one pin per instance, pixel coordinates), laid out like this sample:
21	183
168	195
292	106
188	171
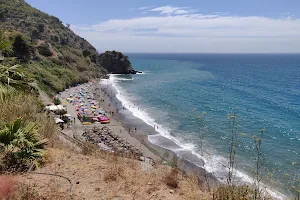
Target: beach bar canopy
54	107
57	120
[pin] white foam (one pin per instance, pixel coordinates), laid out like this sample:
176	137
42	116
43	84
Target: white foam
125	79
213	163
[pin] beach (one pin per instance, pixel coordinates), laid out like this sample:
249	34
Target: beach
77	129
127	129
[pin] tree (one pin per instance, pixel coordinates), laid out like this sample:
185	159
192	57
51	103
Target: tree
44	50
34	33
21	48
41	28
86	53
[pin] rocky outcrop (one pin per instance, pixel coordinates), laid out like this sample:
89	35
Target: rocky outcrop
116	63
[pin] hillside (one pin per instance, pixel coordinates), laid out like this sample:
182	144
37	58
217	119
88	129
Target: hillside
51	52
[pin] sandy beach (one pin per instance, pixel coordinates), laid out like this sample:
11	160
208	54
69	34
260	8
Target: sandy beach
77	129
105	97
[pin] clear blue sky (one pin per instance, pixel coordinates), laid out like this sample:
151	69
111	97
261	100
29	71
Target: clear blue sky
182	26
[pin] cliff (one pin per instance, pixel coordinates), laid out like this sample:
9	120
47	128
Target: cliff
116	63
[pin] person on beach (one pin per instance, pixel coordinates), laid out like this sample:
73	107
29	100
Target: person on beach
135	129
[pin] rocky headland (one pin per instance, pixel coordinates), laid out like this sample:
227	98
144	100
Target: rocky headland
116	63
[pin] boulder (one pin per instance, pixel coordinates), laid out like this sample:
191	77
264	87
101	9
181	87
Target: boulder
116	63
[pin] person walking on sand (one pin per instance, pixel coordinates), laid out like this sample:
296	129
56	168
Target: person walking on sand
135	129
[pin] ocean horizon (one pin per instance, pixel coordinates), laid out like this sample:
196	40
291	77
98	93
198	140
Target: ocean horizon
262	89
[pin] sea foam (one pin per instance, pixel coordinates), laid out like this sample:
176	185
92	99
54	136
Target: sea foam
214	164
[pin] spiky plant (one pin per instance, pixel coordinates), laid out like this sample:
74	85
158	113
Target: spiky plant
22	142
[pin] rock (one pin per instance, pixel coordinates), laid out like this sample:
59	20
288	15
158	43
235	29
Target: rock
172	191
116	63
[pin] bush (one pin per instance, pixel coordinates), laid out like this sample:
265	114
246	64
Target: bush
41	28
234	192
171	179
21	47
86	53
56	101
34	33
44	50
22	145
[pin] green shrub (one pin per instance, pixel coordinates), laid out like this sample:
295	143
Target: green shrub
21	47
41	27
56	101
22	145
44	50
34	33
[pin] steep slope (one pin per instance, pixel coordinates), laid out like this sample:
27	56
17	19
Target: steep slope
56	56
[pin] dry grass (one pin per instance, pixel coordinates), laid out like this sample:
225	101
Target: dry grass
29	192
171	179
30	109
233	192
110	176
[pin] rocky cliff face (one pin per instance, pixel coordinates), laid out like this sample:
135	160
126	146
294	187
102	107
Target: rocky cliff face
116	63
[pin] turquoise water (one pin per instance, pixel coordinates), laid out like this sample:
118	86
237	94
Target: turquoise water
263	90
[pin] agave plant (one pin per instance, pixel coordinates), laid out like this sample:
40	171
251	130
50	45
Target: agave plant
13	76
22	142
7	93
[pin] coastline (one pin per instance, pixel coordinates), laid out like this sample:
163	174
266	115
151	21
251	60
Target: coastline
111	103
186	161
121	123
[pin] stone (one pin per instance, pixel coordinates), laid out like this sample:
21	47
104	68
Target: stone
172	191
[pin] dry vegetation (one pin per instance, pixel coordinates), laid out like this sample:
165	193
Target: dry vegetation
107	176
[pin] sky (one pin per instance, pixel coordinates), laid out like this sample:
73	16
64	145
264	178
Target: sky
177	26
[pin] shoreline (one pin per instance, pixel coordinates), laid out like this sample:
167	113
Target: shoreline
121	123
111	103
187	164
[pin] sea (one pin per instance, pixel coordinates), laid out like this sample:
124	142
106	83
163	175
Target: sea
190	100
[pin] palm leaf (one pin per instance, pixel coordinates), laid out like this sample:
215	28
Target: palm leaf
31	132
41	142
7	93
